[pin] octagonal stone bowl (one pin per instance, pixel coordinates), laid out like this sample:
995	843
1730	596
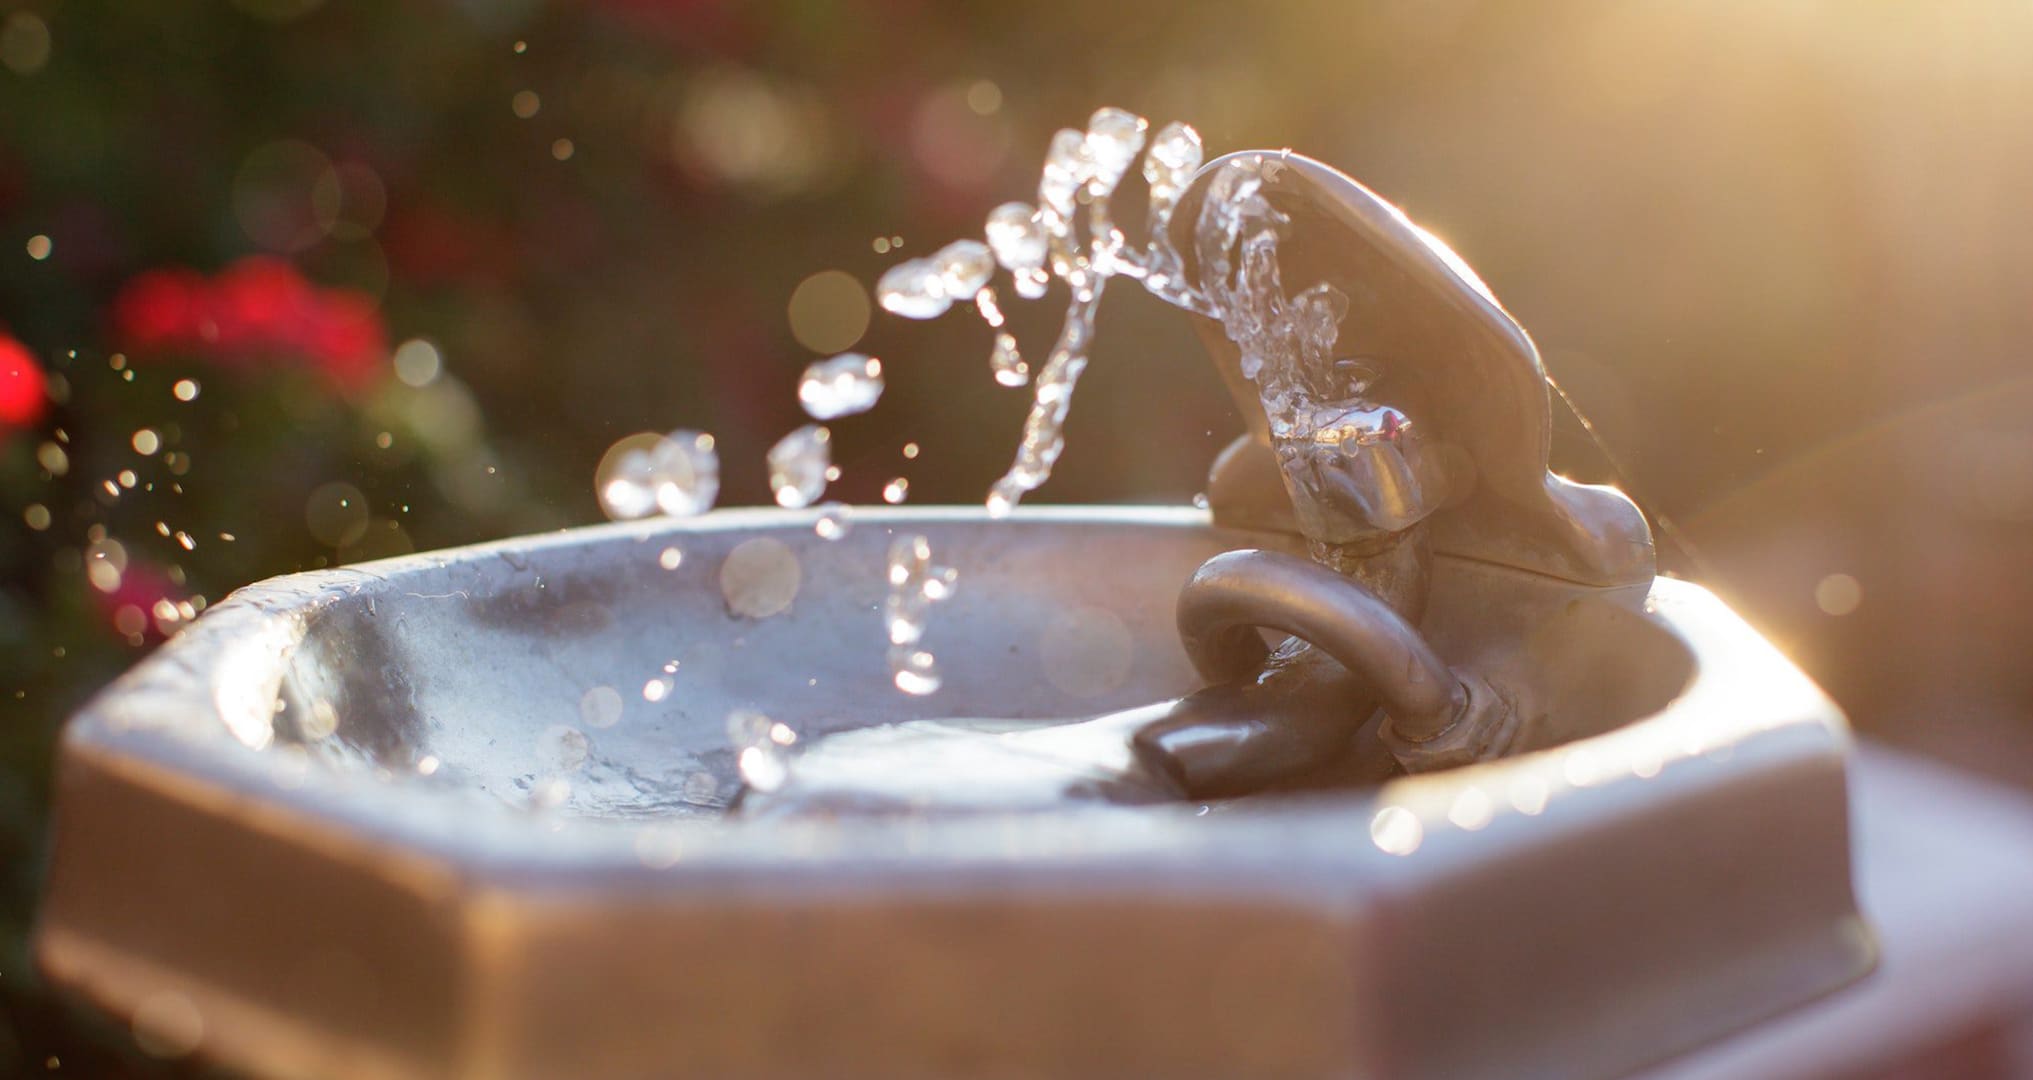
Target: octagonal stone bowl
461	814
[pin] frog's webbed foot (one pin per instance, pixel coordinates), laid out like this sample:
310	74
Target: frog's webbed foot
962	766
1302	713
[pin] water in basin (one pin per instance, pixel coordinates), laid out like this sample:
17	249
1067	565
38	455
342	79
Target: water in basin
601	679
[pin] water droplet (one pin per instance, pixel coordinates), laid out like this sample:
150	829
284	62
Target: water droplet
1068	165
1113	138
914	671
991	310
915	584
914	289
1007	363
1174	157
965	267
896	491
847	384
797	466
1016	237
1200	501
676	474
763	768
759	744
999	504
687	473
833	521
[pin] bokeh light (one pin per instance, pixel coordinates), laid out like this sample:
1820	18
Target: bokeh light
275	195
24	43
829	311
336	514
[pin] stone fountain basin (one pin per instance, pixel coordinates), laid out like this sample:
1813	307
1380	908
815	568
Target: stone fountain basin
432	889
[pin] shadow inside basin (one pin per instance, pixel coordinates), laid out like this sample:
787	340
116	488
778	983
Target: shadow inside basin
594	674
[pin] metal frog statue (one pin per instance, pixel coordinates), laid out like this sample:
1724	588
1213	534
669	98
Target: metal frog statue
1396	412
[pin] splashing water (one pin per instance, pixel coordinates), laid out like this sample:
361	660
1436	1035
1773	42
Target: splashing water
1286	342
1051	240
843	386
1006	363
834	522
762	749
677	474
799	466
915	584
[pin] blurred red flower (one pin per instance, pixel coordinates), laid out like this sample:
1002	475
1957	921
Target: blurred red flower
259	308
23	392
131	607
159	309
258	305
346	334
